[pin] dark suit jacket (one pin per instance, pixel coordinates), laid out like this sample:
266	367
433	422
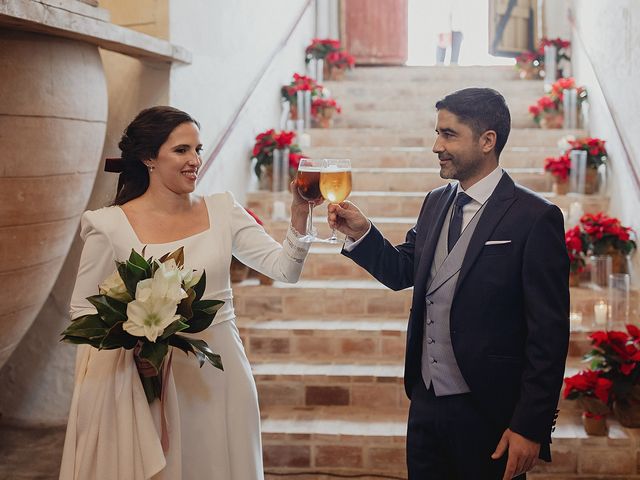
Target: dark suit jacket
509	320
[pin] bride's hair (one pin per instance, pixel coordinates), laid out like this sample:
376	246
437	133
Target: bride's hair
141	141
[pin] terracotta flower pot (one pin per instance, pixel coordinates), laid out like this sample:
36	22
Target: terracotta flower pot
293	111
324	119
266	177
594	424
552	120
591	181
574	279
529	72
336	73
560	186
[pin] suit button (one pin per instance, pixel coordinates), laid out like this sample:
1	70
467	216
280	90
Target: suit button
429	321
429	302
432	360
430	340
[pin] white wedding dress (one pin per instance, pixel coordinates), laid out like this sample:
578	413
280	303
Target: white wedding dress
212	421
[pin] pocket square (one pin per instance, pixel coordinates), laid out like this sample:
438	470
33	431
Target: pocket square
497	242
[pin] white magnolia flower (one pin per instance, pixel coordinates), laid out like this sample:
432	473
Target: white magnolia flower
165	284
114	287
190	278
149	318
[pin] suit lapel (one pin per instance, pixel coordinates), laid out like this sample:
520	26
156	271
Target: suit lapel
497	205
428	252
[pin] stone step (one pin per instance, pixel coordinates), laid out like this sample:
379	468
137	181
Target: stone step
449	74
356	137
363	298
428	178
404	204
349	441
389	156
327	340
399	118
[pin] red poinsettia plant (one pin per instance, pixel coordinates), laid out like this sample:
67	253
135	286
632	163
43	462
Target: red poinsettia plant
604	233
596	151
615	356
319	105
561	48
267	142
301	83
544	106
340	59
563	84
321	47
559	167
527	60
577	248
591	389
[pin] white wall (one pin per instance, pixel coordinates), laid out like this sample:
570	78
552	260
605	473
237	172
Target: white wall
609	34
230	43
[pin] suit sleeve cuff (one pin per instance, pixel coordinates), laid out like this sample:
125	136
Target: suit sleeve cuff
350	243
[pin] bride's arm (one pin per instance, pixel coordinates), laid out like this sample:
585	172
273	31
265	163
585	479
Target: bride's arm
255	248
96	264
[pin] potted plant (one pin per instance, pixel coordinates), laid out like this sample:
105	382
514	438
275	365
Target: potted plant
592	392
606	235
337	63
547	113
561	52
336	59
322	111
320	48
616	355
529	65
596	156
576	247
299	83
266	143
559	169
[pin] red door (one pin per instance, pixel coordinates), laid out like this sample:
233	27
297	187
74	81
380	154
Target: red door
375	31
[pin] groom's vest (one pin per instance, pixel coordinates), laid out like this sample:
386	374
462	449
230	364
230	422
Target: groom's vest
438	360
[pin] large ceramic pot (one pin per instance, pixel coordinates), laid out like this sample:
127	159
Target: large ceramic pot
53	113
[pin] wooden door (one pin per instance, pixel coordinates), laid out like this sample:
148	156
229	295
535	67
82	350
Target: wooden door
375	31
512	26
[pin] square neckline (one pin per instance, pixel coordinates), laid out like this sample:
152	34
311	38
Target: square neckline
135	235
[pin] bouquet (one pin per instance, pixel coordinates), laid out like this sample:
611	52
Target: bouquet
143	306
270	140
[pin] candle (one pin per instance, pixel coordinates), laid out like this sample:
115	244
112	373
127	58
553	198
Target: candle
575	321
600	313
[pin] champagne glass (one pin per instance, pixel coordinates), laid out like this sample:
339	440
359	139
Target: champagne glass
308	185
335	183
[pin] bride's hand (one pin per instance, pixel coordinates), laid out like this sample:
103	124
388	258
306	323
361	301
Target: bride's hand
300	208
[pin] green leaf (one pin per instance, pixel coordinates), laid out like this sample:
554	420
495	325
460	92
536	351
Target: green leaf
154	352
116	337
138	260
209	307
199	287
80	341
199	348
199	322
174	327
87	326
111	310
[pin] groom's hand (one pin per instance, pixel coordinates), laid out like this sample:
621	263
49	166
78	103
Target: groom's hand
522	453
348	219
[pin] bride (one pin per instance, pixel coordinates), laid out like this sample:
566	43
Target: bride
209	418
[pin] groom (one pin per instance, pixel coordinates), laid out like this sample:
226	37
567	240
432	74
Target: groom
488	328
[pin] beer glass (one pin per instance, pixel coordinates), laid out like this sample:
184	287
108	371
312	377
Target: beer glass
335	184
308	185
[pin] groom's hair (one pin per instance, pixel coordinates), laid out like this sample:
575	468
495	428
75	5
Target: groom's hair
481	109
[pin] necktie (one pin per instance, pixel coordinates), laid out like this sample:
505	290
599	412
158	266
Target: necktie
455	226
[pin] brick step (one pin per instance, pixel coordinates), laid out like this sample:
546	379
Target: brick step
428	178
432	74
371	442
390	156
417	118
365	298
378	203
352	137
328	340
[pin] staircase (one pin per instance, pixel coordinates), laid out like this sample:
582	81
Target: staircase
327	352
